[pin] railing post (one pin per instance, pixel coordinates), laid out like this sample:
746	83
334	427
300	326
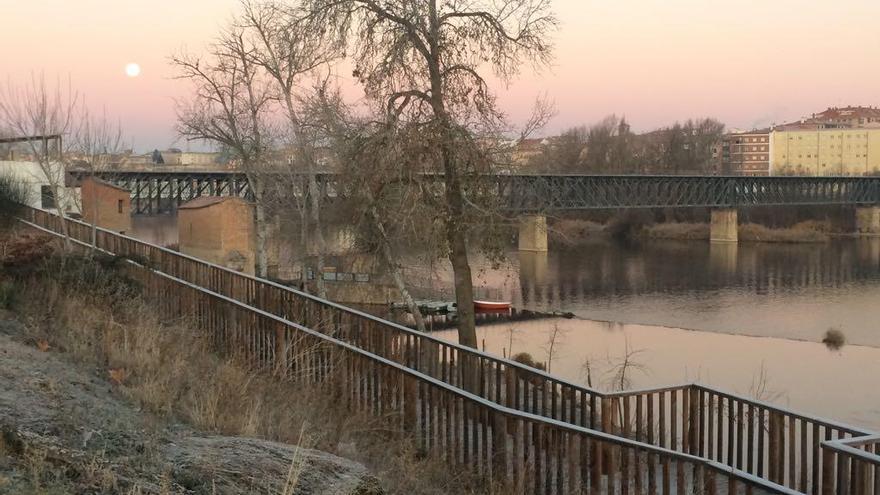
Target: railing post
828	481
500	472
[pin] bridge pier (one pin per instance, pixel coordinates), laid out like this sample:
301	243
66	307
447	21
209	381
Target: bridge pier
724	226
533	233
868	219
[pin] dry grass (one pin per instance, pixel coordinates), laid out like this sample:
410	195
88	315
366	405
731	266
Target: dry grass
809	231
87	310
677	231
570	232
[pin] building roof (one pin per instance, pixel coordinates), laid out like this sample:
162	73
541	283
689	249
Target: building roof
107	184
748	133
205	201
847	113
835	118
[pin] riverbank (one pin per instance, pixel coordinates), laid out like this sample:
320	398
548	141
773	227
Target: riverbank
102	395
573	232
809	231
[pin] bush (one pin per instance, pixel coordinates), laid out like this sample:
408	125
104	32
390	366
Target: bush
8	295
834	339
13	197
628	224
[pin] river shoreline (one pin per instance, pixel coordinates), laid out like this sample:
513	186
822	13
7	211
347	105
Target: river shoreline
576	232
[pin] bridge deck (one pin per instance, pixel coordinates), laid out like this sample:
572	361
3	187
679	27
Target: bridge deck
161	190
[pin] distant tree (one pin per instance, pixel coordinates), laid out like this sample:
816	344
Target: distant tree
156	158
290	53
230	107
95	143
688	147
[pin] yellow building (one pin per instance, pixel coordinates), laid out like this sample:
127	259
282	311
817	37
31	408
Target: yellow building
833	151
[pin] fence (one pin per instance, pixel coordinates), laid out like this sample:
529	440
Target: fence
757	442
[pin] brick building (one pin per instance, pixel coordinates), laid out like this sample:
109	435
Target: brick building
106	205
746	153
220	230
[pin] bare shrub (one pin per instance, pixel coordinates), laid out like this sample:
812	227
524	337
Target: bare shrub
834	339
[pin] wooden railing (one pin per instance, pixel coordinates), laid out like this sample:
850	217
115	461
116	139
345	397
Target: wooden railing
852	466
748	436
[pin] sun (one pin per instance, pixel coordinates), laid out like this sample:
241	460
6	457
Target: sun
133	70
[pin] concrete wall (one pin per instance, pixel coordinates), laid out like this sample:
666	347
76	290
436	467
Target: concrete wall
106	205
219	230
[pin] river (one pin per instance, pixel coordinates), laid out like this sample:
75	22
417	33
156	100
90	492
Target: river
748	318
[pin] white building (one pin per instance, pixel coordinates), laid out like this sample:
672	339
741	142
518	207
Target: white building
35	181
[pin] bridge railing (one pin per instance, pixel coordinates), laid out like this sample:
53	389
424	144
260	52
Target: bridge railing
511	450
768	441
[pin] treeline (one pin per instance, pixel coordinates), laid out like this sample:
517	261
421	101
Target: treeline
611	147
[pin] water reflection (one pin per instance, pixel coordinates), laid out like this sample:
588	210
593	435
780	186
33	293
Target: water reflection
804	376
795	291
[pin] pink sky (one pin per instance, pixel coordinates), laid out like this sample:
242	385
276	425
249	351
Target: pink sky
656	61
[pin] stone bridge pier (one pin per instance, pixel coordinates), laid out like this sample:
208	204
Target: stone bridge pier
724	226
533	233
868	219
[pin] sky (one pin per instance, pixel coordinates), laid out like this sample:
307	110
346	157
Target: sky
748	63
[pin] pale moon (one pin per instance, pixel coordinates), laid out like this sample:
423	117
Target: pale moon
133	70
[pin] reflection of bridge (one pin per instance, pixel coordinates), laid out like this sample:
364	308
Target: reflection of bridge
157	190
600	272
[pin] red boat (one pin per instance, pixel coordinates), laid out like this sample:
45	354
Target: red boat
491	305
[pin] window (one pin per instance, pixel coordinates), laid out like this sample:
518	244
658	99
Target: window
47	198
119	206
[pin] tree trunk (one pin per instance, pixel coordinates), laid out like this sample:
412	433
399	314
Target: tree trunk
262	241
396	273
464	290
262	258
60	203
320	246
458	254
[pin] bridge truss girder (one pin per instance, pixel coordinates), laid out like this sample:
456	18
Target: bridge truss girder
155	192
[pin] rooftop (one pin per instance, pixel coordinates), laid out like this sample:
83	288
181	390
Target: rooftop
205	201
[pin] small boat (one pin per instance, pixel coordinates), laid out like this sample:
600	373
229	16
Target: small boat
491	305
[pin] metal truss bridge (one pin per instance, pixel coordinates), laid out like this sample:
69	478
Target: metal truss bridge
157	191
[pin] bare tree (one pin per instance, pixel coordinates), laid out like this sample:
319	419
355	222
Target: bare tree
289	52
230	107
422	59
620	370
95	144
555	338
36	109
